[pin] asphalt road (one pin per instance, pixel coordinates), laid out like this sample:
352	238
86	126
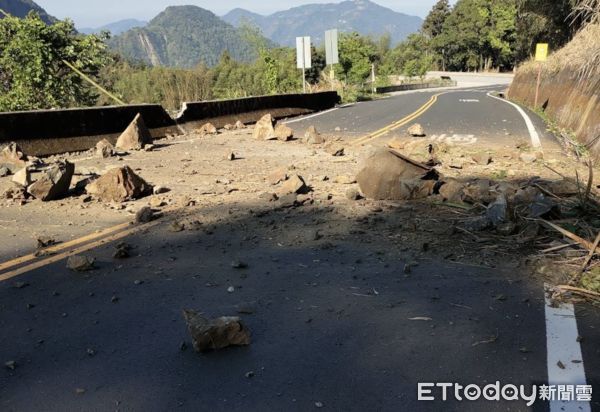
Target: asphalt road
341	328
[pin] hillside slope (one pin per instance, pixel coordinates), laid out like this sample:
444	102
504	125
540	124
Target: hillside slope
570	87
313	20
20	8
183	36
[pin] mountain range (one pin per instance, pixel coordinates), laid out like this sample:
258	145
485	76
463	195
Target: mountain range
115	28
313	20
183	36
20	8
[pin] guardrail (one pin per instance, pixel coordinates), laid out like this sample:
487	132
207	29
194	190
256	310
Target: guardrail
415	86
49	132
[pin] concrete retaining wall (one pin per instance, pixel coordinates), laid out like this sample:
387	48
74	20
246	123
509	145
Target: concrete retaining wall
573	104
415	86
251	109
47	132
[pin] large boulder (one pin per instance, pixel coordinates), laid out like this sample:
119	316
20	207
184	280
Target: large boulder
214	334
54	182
136	136
119	185
264	130
388	175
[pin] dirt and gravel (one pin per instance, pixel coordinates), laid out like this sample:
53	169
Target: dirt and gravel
213	178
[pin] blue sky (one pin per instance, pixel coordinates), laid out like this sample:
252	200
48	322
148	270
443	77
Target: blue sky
94	13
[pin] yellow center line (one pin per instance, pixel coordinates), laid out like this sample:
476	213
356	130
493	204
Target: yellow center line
84	248
57	248
399	123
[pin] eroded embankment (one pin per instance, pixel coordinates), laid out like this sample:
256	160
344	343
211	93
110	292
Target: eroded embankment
570	87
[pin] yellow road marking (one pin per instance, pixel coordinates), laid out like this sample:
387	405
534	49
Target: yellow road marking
57	248
84	248
396	125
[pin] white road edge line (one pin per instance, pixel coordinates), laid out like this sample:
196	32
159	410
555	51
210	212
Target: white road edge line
564	350
311	116
535	137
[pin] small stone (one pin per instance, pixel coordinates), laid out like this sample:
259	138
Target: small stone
277	176
295	184
104	149
283	132
12	365
345	180
144	215
249	374
80	263
416	130
177	227
335	149
149	147
4	171
230	289
158	190
230	156
528	158
238	264
353	194
319	404
338	129
217	333
239	125
483	159
208	129
312	136
22	177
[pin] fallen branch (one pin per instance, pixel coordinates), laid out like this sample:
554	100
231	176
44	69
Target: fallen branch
585	243
578	291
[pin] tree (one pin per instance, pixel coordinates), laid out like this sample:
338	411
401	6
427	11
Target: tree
544	21
357	54
434	22
32	72
479	35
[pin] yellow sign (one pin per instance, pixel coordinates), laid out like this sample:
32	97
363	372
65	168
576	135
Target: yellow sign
541	52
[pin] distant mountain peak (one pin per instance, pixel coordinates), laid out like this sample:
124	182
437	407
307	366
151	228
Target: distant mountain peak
20	8
363	16
183	36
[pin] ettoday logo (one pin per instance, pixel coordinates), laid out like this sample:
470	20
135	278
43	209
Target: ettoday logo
497	392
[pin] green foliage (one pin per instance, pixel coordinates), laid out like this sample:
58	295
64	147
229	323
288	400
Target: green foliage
357	54
478	35
411	58
434	22
32	72
544	21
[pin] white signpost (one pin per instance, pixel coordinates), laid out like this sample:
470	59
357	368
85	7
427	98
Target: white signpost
303	57
331	51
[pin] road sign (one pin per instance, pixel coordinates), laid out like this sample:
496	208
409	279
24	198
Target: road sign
331	47
303	53
541	52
